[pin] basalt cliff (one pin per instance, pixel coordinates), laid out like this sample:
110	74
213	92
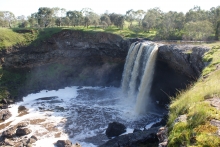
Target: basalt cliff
97	59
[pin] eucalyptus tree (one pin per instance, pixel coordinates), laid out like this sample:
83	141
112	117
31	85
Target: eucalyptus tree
214	17
139	16
171	25
7	18
151	19
196	14
58	15
94	18
117	20
199	30
130	16
45	16
76	17
33	20
3	22
106	19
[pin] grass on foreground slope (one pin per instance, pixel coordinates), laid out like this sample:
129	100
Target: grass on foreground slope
197	130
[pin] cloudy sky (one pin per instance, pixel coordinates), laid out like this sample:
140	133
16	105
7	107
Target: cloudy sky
27	7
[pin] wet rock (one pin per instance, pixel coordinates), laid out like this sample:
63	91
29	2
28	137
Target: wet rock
22	124
136	130
47	98
21	108
76	145
9	142
63	143
23	131
9	133
5	114
133	139
34	137
24	142
115	129
19	144
162	137
31	140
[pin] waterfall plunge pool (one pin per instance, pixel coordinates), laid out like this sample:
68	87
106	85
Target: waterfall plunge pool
80	114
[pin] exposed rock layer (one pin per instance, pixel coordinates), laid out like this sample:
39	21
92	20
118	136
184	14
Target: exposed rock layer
97	59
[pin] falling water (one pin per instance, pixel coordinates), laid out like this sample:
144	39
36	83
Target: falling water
129	65
145	86
140	63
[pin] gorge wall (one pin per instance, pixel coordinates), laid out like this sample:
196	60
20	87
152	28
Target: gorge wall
97	59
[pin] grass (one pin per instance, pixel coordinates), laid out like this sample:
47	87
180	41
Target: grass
197	131
9	38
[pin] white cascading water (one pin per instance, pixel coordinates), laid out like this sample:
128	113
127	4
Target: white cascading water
144	56
132	53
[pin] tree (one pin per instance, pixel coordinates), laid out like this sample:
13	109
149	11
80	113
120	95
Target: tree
196	14
151	19
106	19
33	19
7	18
3	22
130	16
45	16
214	17
139	16
76	17
199	30
86	21
117	20
93	18
170	25
59	14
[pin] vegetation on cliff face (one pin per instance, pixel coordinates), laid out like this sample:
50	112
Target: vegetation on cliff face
197	130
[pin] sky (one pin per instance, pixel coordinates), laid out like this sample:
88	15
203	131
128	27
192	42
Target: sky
27	7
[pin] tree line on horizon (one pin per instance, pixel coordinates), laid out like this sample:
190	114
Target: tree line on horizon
196	24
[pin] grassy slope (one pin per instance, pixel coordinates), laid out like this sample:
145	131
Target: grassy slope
197	130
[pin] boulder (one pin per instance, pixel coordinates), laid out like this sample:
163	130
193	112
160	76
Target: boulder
8	142
22	124
115	129
9	133
21	109
23	131
134	139
5	114
63	143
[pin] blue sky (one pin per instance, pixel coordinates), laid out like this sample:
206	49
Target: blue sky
27	7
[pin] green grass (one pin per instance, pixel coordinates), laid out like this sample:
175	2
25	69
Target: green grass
9	38
199	112
33	36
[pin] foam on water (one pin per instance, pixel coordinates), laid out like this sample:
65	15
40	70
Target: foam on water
78	114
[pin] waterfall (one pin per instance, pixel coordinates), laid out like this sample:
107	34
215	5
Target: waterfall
139	64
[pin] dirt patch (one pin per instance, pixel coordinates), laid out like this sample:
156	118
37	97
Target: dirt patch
2	126
36	121
57	135
23	113
50	127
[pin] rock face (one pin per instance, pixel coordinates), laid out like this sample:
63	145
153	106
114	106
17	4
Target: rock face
115	129
97	59
133	139
176	67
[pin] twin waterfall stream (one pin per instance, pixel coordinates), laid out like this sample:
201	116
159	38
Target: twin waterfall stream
138	74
